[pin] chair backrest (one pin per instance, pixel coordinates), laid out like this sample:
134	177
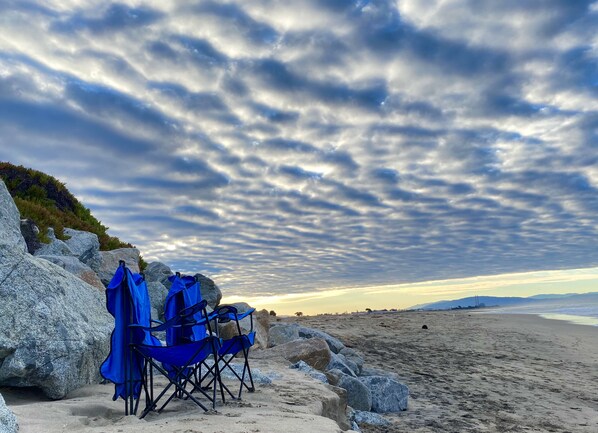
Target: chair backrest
184	296
128	301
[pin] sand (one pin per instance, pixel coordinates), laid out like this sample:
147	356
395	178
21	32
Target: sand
472	372
293	403
468	372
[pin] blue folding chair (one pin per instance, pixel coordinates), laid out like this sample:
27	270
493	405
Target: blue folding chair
135	353
235	346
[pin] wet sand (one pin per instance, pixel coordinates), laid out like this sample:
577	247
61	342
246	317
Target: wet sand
475	372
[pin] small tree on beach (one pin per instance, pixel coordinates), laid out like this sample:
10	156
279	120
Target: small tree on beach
298	314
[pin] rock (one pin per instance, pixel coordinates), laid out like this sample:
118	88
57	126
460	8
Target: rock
85	246
335	409
110	261
209	290
157	293
387	395
258	377
371	418
74	266
333	376
30	232
55	329
10	222
8	420
310	371
338	362
313	351
335	345
56	247
353	357
158	272
261	326
282	333
424	326
359	396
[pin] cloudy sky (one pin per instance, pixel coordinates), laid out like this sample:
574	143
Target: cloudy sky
288	146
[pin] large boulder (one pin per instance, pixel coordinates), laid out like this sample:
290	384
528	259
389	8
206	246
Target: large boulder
74	266
55	330
281	333
359	396
334	343
339	362
30	232
8	420
158	272
353	358
209	290
313	351
157	293
85	246
110	260
261	326
56	247
10	224
388	395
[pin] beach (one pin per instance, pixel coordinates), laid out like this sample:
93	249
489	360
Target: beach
468	372
475	372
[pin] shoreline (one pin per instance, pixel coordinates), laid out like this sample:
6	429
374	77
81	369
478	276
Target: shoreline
466	372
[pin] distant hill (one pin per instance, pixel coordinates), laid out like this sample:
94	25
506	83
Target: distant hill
46	201
495	301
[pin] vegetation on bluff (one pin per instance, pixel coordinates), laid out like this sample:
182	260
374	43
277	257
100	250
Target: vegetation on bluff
46	201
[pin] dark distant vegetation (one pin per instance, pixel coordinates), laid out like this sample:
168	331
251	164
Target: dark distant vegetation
272	313
48	203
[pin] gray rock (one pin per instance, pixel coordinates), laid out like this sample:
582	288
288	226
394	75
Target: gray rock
74	266
258	376
157	293
305	368
261	326
282	333
8	420
110	261
371	418
209	290
335	344
334	376
85	246
387	395
30	232
313	351
158	272
359	396
56	247
338	362
55	329
10	222
353	357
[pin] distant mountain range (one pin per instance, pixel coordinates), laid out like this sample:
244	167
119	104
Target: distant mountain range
498	301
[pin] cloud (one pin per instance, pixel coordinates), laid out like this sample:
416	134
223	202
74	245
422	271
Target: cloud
283	147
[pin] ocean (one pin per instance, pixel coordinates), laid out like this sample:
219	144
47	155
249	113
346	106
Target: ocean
579	309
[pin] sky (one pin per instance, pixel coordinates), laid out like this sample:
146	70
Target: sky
286	148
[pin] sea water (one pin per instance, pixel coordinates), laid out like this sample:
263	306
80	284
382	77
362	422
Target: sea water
580	309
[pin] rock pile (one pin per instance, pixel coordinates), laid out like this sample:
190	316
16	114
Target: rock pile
55	330
312	351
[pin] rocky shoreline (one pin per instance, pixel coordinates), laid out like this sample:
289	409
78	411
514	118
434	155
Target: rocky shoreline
55	329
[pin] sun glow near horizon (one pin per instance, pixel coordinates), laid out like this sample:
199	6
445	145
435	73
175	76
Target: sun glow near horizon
403	296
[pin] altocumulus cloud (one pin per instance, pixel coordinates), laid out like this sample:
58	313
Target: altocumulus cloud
283	146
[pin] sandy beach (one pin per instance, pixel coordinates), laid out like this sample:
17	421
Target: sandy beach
468	372
475	372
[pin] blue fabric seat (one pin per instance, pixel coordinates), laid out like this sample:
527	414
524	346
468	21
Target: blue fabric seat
135	353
